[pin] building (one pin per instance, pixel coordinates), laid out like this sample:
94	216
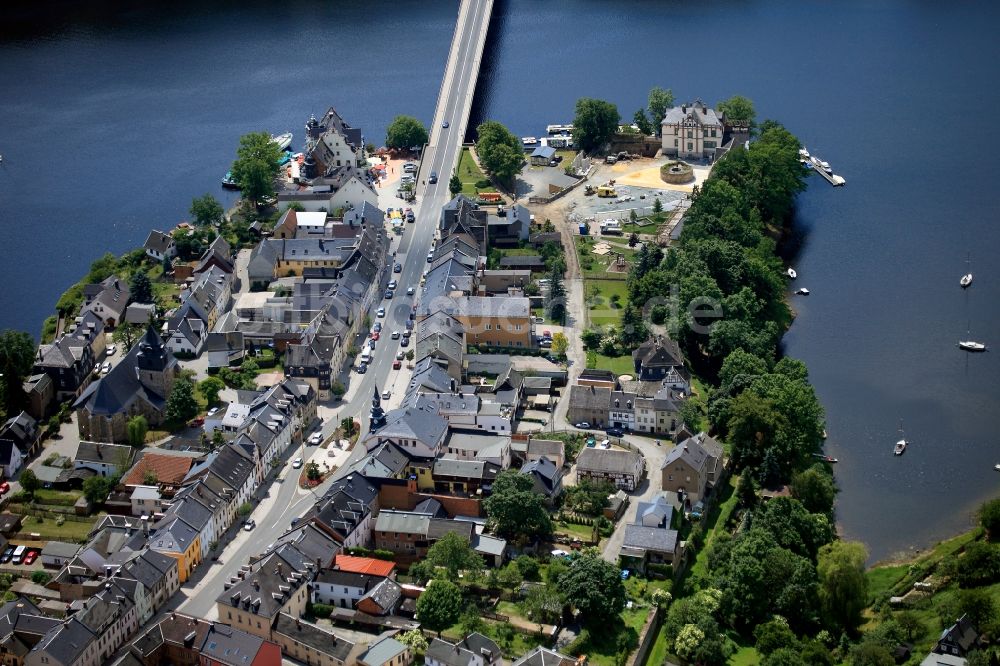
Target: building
184	640
11	458
386	651
542	656
224	349
542	155
107	300
269	587
546	476
68	362
226	646
104	459
693	467
651	539
187	329
57	553
160	246
624	469
22	626
343	589
473	650
313	645
158	468
419	433
366	565
959	639
692	131
660	359
23	430
589	404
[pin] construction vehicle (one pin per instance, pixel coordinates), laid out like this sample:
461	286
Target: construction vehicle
606	191
589	190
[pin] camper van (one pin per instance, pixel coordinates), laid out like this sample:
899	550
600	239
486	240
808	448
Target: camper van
611	227
366	355
606	191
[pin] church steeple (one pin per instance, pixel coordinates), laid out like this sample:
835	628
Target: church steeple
377	419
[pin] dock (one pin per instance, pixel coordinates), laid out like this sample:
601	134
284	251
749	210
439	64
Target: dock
831	178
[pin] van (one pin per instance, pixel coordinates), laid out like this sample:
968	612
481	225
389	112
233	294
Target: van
366	355
19	554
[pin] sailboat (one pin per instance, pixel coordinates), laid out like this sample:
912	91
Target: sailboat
967	278
791	273
901	444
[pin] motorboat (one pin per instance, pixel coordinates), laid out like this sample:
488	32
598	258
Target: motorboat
802	292
529	141
828	459
996	467
791	273
283	140
901	445
971	346
229	182
826	167
803	152
966	280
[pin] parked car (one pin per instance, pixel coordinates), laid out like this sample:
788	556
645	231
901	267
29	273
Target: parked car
583	425
388	294
406	333
106	368
615	432
395	335
410	291
430	258
213	411
386	393
4	488
196	423
400	355
375	335
396	365
316	438
112	349
377	327
295	521
380	313
249	524
7	554
371	344
405	342
392	285
30	556
363	368
398	268
297	463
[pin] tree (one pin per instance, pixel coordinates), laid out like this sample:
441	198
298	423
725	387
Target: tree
843	587
312	471
454	554
218	439
29	482
206	210
978	565
338	390
17	356
657	206
869	653
774	635
181	403
739	111
256	166
633	327
746	492
910	623
439	606
815	489
126	334
659	101
633	238
455	184
500	152
641	121
594	587
596	121
688	641
544	604
414	639
137	428
347	426
405	132
979	606
96	489
555	301
559	344
210	387
989	518
140	288
514	509
150	478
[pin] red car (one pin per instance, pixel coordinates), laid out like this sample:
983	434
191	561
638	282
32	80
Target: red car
196	423
30	557
4	488
396	365
375	335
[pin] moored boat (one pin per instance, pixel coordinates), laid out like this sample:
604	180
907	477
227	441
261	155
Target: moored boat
229	182
529	141
283	140
971	346
901	445
802	292
791	273
829	459
967	278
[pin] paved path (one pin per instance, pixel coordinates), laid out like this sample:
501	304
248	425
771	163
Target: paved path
649	489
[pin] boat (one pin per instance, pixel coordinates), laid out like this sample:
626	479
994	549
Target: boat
803	152
529	141
229	182
283	140
901	444
826	167
967	278
971	346
802	292
996	467
286	157
559	129
824	434
791	273
824	458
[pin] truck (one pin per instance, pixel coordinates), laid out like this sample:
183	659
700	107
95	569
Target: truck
611	228
606	191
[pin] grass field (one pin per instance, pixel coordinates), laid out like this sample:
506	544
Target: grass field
470	174
599	294
620	365
71	530
57	497
716	522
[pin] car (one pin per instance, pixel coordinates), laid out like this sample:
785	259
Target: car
392	284
363	368
405	342
433	177
410	217
388	294
376	335
380	313
371	344
396	365
7	554
409	327
400	355
538	320
395	335
409	167
386	393
297	463
430	258
30	557
295	521
4	488
545	343
112	349
410	291
406	333
583	425
398	268
316	438
377	327
249	524
445	124
106	368
213	411
197	422
615	432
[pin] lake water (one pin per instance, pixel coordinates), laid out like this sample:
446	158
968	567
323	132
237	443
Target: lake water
113	120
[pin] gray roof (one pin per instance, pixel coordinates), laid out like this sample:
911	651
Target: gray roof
158	241
545	471
465	469
317	638
693	114
117	390
66	642
608	460
264	589
465	651
385	594
542	656
227	645
60	549
103	453
382	651
416	424
548	152
488	545
650	538
430	376
589	397
404	522
695	452
660	509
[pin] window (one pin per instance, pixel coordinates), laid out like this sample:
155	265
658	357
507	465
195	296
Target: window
690	146
690	134
675	143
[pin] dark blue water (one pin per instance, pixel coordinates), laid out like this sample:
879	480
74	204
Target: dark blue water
110	127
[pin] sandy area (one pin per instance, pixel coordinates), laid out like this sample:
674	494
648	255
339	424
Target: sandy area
651	178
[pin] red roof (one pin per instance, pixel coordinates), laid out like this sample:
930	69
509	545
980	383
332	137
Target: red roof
364	565
168	469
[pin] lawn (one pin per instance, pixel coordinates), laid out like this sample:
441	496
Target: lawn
716	522
470	174
619	365
599	295
165	294
602	648
583	532
57	497
745	656
71	530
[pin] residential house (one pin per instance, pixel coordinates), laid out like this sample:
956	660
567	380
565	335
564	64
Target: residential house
509	227
269	586
104	459
589	404
138	385
373	595
410	534
624	469
23	430
152	468
332	142
11	458
68	362
160	245
314	645
552	449
140	314
532	263
218	256
212	290
184	640
441	337
943	660
107	300
651	539
159	575
463	217
175	538
691	131
39	391
472	478
693	467
473	650
479	446
542	656
22	626
147	501
57	553
386	651
225	349
959	639
660	359
546	477
542	155
621	411
419	432
187	329
598	379
366	565
226	646
490	321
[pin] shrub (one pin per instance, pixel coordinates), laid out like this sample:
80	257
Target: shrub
322	610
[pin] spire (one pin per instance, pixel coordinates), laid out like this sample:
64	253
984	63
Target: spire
377	418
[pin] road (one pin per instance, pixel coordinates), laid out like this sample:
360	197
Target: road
284	499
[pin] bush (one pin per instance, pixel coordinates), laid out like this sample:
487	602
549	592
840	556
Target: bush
322	610
40	577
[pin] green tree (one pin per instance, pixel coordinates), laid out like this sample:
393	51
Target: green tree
137	428
29	482
256	166
499	151
659	101
843	587
774	635
633	327
206	210
439	606
405	132
102	268
594	587
555	300
413	638
150	478
454	184
17	356
815	489
347	426
312	471
514	509
126	334
181	403
657	206
96	489
544	604
559	344
785	656
454	554
140	288
218	439
989	518
595	122
978	565
871	654
641	121
739	111
210	387
911	623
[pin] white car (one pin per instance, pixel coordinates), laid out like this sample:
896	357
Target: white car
400	355
386	393
392	284
395	335
380	312
213	411
297	463
249	525
112	349
106	368
316	438
410	291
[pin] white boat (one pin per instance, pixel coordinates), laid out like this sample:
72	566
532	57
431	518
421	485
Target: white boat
802	292
529	140
826	167
971	346
803	152
901	444
996	467
791	273
283	140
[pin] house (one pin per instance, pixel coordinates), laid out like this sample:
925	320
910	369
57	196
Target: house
409	534
22	626
57	553
176	538
651	539
343	589
311	644
217	256
418	432
621	410
441	338
386	651
158	468
509	227
463	217
625	469
542	656
546	476
104	459
346	512
660	359
473	650
472	478
140	314
943	660
225	646
691	131
499	321
300	224
533	263
11	458
40	391
107	300
224	349
138	385
159	245
185	640
542	155
212	290
330	142
68	362
597	378
589	404
959	639
693	467
269	586
553	449
187	329
366	565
